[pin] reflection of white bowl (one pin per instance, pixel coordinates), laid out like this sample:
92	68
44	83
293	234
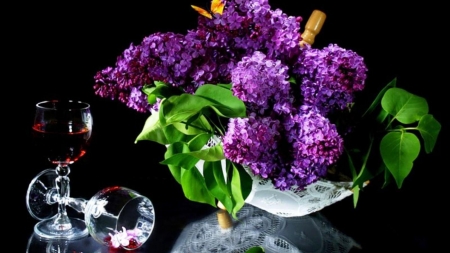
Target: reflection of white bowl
116	208
255	227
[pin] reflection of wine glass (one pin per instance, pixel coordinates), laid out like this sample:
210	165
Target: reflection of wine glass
61	132
85	244
116	217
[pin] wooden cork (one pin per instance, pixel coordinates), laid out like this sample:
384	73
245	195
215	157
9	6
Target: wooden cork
313	27
223	217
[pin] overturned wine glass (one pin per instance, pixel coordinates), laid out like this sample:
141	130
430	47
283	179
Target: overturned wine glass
115	216
119	217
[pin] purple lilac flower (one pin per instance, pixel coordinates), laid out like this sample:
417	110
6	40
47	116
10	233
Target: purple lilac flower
316	144
262	84
330	77
253	141
206	54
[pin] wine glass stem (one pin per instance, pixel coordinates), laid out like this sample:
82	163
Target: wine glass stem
62	221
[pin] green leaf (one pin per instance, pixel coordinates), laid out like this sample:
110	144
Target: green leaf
429	128
256	249
214	153
181	108
175	148
382	116
355	191
241	185
398	151
354	175
188	160
160	90
194	187
159	83
215	182
183	160
226	104
404	106
153	131
199	142
173	135
376	102
198	126
365	173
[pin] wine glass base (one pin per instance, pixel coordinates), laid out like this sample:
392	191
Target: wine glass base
46	230
39	193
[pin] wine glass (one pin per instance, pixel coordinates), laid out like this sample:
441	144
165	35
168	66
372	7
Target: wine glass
119	217
61	132
116	217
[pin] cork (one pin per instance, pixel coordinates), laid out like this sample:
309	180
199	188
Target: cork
313	27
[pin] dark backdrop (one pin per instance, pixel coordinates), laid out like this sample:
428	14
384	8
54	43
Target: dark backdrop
53	51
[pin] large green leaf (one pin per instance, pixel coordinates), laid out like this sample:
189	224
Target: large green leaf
223	98
406	107
173	135
429	128
215	182
186	106
199	142
199	126
398	151
153	131
194	187
183	160
241	185
214	153
188	160
176	148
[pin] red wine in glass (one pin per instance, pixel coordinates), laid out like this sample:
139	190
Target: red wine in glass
61	131
61	142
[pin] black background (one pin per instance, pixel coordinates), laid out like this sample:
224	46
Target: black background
52	51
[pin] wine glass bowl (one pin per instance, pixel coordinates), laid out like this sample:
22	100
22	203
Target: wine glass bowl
61	132
120	217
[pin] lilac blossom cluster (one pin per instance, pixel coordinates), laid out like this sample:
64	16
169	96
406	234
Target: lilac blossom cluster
294	143
206	54
330	77
262	84
287	136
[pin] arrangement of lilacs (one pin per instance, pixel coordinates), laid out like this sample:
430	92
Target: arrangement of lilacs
289	91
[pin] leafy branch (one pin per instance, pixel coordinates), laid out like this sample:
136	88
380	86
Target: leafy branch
403	117
185	124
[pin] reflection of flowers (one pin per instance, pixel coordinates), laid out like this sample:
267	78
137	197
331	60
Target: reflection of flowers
125	238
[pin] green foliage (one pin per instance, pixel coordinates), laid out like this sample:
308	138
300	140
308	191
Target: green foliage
395	126
401	119
257	249
185	123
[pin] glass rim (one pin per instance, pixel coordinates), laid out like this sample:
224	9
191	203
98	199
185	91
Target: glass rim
50	104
